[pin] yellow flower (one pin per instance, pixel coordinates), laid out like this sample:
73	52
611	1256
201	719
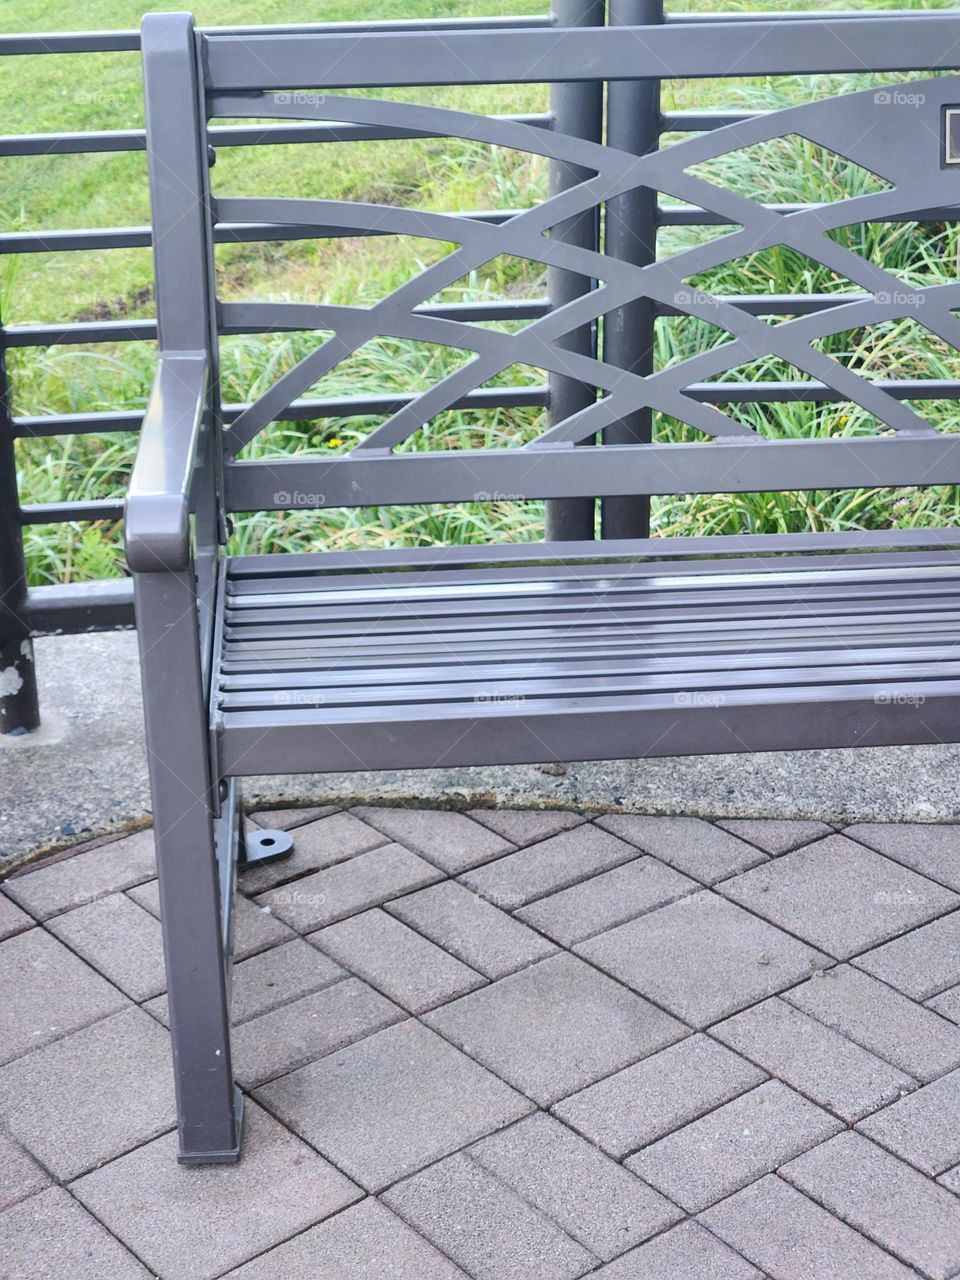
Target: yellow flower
334	442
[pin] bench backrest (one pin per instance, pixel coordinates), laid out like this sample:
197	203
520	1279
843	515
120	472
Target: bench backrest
897	134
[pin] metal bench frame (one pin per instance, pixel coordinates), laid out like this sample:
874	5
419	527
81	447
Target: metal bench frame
204	733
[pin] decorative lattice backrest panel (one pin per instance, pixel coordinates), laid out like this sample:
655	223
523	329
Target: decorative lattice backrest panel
895	134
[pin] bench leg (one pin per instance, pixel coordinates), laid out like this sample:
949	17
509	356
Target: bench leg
209	1108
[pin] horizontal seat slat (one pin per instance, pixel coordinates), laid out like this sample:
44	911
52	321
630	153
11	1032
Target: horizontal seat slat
523	692
371	665
415	620
612	578
884	546
573	667
320	638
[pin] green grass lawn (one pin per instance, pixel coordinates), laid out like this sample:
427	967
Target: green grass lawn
103	92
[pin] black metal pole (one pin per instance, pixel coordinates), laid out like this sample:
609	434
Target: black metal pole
577	109
630	233
19	707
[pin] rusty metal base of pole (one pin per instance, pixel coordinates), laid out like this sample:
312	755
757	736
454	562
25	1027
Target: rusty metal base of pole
19	705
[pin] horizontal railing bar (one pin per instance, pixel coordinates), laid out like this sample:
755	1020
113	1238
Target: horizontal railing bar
64	512
70	42
93	143
223	233
50	335
753	48
685	216
129	41
77	424
464	476
372	405
269	232
688	19
51	144
275	134
703	392
73	607
534	396
775	304
70	240
703	121
760	304
816	392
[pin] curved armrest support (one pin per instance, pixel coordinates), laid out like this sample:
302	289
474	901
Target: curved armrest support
157	525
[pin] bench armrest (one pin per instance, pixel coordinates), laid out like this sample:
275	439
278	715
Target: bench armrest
157	524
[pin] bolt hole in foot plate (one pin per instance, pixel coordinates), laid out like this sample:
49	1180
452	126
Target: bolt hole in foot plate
265	846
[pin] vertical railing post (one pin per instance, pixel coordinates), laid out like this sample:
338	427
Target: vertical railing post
577	109
19	706
630	233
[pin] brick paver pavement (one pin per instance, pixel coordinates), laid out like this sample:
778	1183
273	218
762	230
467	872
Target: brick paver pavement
503	1045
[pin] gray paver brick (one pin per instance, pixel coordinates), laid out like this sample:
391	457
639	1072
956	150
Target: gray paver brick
702	957
289	819
527	826
839	896
553	864
297	1033
718	1154
555	1027
364	1242
882	1020
921	964
815	1060
484	1226
392	1103
947	1004
92	1095
316	845
20	1175
397	961
645	1101
12	919
923	1129
342	890
951	1180
451	841
47	992
469	927
693	846
276	977
792	1238
193	1223
50	1237
255	927
596	1201
931	849
685	1252
775	835
606	900
120	940
886	1199
84	877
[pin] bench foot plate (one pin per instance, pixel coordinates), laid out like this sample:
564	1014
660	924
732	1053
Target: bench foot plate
258	847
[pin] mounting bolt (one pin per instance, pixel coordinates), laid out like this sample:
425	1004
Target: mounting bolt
223	792
211	157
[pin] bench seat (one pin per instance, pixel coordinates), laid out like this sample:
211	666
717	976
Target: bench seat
427	665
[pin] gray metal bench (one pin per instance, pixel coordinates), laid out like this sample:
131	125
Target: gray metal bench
568	649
